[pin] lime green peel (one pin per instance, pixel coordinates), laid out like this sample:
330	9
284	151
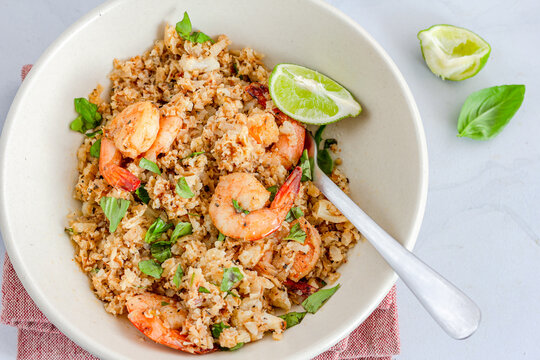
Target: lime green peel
452	52
309	96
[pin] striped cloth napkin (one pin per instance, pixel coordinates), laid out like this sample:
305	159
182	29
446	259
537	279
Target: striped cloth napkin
377	338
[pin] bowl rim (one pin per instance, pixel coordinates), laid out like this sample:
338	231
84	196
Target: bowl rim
48	308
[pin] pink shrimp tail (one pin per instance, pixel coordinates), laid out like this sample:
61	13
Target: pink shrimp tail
287	192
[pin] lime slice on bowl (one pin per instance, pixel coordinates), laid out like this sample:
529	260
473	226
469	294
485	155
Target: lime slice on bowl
452	52
309	96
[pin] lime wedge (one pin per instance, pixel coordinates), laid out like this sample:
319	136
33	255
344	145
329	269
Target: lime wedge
452	52
309	96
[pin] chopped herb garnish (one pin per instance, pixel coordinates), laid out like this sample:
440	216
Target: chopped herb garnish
297	234
230	277
192	278
95	148
114	209
156	229
149	165
316	300
183	190
325	162
193	214
294	213
329	142
164	303
70	230
318	135
273	191
161	250
235	347
142	194
95	271
232	294
197	153
217	329
151	268
181	229
88	119
220	237
94	133
238	208
293	318
183	28
178	274
202	289
305	164
235	67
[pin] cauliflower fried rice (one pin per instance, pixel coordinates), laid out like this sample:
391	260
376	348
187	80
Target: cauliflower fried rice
205	85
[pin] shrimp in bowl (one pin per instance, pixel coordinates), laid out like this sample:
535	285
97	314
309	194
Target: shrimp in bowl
199	221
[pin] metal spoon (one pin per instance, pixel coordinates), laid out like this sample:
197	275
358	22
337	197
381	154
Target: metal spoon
450	307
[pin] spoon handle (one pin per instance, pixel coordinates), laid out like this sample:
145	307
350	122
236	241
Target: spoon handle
456	313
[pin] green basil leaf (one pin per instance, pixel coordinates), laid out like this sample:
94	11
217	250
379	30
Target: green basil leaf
273	191
305	165
220	237
142	194
199	37
88	119
297	234
293	318
95	148
94	133
329	142
318	135
114	209
194	154
155	230
181	229
325	162
235	347
161	250
294	213
202	289
149	165
315	301
485	113
230	277
151	268
164	303
217	329
178	274
183	28
183	190
238	208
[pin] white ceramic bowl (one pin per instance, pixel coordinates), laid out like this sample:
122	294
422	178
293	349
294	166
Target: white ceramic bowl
384	155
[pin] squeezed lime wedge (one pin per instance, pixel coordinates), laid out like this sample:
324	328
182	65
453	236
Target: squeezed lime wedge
309	96
452	52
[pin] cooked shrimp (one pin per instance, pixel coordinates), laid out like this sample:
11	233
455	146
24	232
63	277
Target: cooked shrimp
305	262
289	145
169	126
138	129
109	166
161	318
251	196
135	129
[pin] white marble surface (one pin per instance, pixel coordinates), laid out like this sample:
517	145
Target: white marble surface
481	226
